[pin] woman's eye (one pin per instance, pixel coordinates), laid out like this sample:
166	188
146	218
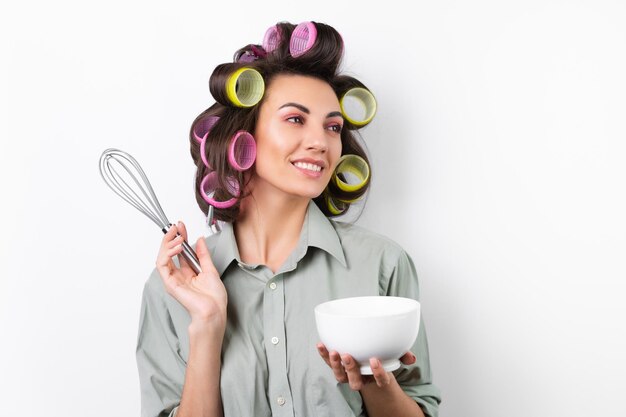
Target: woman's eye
335	128
295	119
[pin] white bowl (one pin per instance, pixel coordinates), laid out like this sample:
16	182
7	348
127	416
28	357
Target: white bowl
369	327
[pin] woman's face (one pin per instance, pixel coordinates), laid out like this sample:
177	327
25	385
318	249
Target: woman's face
298	136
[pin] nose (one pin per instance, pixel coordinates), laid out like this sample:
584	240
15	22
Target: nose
316	140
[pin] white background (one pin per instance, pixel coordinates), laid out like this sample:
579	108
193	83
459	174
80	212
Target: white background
498	156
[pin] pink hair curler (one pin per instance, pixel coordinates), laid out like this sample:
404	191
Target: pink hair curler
272	39
201	132
242	150
302	38
203	127
207	190
203	150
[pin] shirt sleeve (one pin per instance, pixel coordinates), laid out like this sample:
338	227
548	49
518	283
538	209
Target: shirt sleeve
161	368
415	379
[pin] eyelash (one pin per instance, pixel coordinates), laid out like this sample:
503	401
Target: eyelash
336	127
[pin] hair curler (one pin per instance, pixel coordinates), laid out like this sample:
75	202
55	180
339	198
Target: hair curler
201	132
351	166
245	87
272	39
242	151
358	106
208	186
302	38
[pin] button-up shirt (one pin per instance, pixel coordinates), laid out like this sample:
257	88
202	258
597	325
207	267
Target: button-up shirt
270	363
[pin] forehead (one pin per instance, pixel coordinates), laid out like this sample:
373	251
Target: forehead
308	91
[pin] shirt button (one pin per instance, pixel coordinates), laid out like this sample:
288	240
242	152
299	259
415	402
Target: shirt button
280	401
275	342
273	285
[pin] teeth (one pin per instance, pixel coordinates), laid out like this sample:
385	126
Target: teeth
310	167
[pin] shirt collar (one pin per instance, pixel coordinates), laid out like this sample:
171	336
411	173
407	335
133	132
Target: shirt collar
226	250
317	231
322	233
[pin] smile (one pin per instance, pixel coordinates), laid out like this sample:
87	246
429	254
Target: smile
307	166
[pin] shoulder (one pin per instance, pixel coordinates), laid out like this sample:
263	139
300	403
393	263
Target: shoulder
350	233
365	242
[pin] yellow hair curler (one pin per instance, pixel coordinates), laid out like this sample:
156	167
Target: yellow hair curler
245	87
336	207
358	106
351	166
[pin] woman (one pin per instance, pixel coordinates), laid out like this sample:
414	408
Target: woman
239	338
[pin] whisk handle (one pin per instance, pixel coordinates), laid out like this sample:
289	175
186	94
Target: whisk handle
189	255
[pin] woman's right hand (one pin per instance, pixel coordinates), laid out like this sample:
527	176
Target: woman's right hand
203	295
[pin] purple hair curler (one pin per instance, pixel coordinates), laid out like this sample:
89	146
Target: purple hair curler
302	38
242	150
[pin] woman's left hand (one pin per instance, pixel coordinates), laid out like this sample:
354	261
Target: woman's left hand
346	369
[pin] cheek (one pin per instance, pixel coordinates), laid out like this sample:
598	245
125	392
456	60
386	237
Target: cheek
335	152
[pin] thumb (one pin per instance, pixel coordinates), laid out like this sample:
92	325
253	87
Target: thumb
203	256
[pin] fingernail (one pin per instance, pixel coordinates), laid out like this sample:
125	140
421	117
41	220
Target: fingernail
346	360
375	364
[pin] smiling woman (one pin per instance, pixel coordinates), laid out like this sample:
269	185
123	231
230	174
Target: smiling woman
298	137
276	158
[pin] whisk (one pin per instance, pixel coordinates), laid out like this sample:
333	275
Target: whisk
140	194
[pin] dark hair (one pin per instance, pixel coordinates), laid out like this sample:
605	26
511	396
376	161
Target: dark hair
321	61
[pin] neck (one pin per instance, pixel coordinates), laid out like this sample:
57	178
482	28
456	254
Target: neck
268	227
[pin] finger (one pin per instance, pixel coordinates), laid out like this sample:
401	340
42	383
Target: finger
323	353
166	269
182	230
176	240
408	358
182	261
170	234
169	241
206	264
337	367
176	250
382	377
164	258
170	247
353	370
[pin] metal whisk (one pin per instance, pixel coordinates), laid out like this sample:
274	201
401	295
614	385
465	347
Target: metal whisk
145	199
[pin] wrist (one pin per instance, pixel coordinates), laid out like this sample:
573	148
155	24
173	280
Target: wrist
206	328
373	389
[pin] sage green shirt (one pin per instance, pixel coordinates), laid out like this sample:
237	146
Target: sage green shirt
270	363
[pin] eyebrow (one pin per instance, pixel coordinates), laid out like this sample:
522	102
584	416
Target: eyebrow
307	111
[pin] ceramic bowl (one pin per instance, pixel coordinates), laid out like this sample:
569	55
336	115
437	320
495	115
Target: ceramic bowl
369	327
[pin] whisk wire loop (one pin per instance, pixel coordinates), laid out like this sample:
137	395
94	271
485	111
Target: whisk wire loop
145	200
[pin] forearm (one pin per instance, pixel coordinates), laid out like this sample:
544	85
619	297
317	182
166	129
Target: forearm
201	392
389	400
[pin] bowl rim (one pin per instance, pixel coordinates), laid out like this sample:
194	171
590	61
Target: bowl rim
412	303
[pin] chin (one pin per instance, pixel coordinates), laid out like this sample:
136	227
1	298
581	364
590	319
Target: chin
310	194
